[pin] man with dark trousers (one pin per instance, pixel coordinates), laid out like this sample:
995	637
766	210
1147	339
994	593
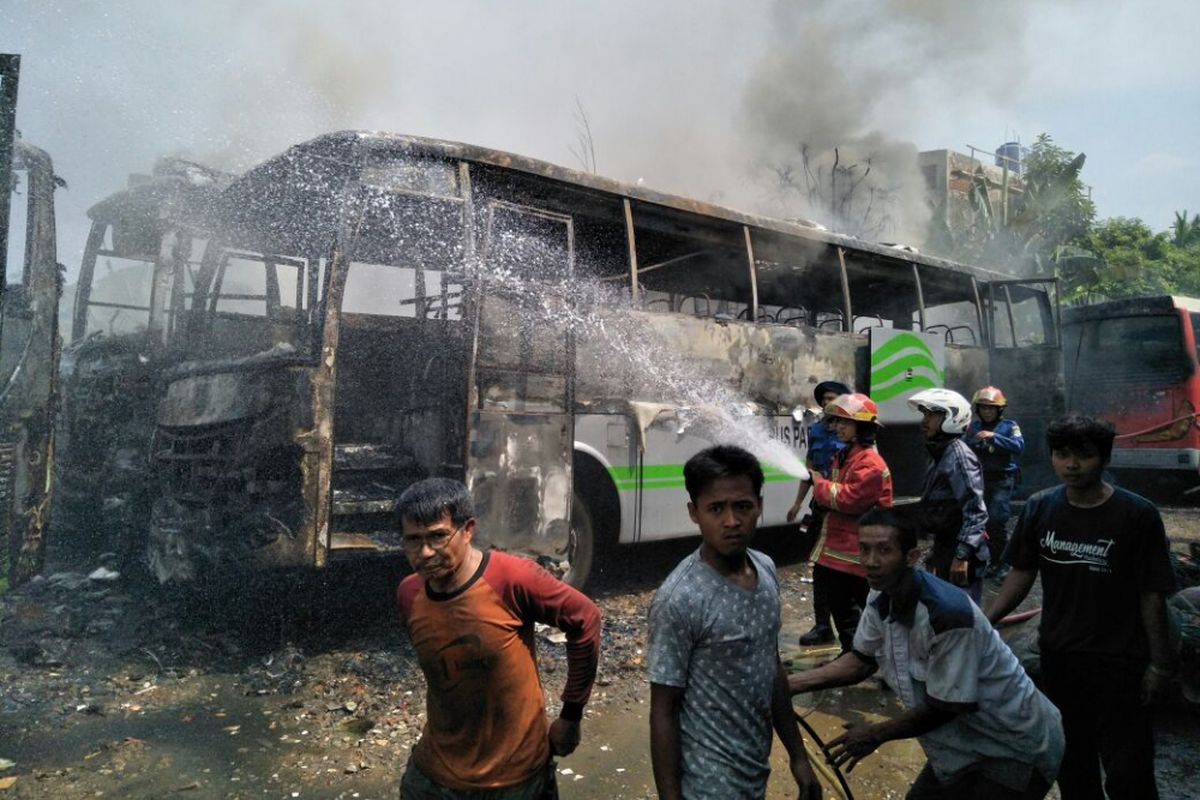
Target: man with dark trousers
952	509
860	480
823	445
1103	557
470	614
998	442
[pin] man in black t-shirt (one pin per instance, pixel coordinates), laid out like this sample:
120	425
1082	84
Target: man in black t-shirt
1103	556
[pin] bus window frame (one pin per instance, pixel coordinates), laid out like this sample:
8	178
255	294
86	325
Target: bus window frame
717	237
160	264
1051	314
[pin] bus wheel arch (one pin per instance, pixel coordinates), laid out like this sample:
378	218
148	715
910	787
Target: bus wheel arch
595	520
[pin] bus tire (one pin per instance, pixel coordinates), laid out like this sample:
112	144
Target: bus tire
581	548
595	521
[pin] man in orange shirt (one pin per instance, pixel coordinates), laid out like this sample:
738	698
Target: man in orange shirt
470	615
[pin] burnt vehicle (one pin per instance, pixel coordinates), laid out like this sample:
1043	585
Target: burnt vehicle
143	247
29	346
387	307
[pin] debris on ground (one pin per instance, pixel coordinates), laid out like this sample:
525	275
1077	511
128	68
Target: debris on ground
112	688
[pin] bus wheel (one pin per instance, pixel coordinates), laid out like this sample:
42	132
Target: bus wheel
581	547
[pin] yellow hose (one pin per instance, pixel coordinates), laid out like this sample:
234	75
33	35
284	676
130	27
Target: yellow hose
814	749
825	772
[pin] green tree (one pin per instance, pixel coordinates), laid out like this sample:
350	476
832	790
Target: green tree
1120	257
1123	257
1185	232
1056	208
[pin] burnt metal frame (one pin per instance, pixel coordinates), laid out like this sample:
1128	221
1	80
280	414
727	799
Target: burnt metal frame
318	444
569	223
1005	285
28	393
10	74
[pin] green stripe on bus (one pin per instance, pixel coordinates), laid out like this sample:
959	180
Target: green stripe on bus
902	341
912	361
647	471
915	382
670	476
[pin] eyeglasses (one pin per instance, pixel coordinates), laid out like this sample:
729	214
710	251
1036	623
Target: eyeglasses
437	541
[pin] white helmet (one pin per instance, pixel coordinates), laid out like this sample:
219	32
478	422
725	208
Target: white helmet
956	408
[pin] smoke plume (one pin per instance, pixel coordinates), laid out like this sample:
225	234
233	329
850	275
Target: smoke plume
839	82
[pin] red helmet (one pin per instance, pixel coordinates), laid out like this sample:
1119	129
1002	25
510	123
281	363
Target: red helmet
857	407
989	396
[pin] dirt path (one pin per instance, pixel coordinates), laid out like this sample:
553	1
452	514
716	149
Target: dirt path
310	691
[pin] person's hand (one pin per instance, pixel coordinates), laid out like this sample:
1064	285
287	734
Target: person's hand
802	473
984	434
564	737
801	496
858	742
806	779
1155	683
960	572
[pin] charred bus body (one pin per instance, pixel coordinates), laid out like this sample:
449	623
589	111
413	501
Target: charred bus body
29	347
29	351
135	279
388	307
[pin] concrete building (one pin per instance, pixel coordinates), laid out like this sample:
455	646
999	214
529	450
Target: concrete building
950	176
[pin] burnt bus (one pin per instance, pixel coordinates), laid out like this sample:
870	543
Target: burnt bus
135	278
387	307
29	350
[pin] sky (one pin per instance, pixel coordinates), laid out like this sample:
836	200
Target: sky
710	100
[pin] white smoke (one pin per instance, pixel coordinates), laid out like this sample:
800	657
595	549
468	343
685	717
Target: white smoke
836	82
702	100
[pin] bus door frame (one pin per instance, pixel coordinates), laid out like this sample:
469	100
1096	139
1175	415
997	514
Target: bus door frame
520	457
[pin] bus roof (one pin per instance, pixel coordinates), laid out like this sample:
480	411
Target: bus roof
312	175
177	191
1131	307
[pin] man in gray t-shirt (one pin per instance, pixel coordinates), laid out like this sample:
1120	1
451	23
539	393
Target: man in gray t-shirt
716	684
718	642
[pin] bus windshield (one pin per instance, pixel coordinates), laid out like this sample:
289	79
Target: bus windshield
254	303
1127	350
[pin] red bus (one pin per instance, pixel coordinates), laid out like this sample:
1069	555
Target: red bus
1133	363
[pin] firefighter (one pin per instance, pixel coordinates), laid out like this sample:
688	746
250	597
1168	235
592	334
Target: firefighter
823	446
859	481
998	443
951	509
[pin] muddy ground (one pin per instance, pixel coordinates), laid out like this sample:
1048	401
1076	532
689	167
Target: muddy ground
308	689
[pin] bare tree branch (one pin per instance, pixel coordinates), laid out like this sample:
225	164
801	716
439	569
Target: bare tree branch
584	148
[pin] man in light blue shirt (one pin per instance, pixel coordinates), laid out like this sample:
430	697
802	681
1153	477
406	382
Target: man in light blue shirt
986	730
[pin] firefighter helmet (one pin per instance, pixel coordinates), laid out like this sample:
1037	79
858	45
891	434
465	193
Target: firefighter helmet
989	396
857	407
951	403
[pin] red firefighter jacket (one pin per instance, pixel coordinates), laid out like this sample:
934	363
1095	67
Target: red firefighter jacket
860	480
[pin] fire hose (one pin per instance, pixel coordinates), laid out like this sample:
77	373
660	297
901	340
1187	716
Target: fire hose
1020	616
818	751
1159	426
818	757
